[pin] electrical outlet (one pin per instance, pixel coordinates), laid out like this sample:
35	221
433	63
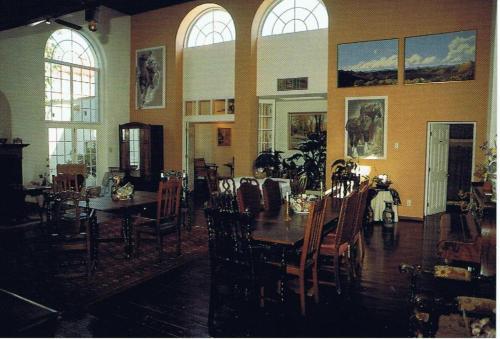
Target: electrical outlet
408	202
396	145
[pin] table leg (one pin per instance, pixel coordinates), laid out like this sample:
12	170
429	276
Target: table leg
283	274
126	231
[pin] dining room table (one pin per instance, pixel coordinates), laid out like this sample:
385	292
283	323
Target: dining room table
126	209
284	229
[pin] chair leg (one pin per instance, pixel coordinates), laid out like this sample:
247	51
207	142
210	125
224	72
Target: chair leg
315	282
336	263
159	240
302	294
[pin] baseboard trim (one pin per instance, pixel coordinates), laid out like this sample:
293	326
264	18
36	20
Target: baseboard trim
419	219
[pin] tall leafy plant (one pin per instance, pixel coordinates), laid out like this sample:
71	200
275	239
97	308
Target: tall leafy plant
313	156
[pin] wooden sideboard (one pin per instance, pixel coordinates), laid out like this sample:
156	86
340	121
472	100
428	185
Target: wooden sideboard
11	182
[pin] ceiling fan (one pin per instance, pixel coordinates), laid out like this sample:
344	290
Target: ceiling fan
49	20
91	10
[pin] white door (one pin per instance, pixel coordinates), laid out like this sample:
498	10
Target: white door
437	171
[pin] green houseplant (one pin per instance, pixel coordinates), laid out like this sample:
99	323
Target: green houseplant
269	162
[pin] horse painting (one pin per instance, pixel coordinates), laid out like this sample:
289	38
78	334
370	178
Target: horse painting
365	128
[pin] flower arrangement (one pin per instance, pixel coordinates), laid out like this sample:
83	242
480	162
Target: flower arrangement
300	203
488	169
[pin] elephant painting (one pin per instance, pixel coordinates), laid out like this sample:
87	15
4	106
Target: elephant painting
365	127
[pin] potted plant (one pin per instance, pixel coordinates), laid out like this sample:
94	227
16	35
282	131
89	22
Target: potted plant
269	163
313	153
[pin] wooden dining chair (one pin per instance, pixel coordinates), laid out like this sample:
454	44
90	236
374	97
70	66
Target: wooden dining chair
358	240
308	258
167	216
64	182
248	197
336	245
73	230
272	195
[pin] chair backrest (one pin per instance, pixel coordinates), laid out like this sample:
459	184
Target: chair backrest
67	215
169	199
248	197
200	167
73	170
65	182
346	222
313	233
272	195
226	185
249	180
361	207
229	236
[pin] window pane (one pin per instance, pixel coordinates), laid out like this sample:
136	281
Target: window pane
208	28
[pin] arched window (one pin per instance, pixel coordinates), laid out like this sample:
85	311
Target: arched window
210	27
71	95
289	16
71	78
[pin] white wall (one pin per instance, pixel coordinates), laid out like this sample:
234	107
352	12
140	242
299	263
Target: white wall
282	109
209	71
22	86
301	54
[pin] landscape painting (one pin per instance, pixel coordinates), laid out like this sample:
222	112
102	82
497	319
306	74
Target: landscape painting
440	57
368	63
302	124
366	127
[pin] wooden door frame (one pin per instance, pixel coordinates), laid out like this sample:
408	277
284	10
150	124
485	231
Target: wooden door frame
427	150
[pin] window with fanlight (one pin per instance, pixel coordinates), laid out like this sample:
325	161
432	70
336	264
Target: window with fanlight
213	26
290	16
71	99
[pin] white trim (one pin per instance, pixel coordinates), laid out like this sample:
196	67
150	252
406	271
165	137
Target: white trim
427	150
209	118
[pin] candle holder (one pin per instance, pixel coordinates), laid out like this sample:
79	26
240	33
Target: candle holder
287	211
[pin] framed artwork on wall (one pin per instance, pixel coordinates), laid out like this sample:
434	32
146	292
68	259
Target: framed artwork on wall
366	127
301	124
440	57
150	78
223	137
367	63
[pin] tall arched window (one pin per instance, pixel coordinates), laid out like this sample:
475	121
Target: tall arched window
71	78
71	95
212	26
289	16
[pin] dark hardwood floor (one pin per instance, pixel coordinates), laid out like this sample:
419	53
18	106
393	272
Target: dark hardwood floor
181	302
178	303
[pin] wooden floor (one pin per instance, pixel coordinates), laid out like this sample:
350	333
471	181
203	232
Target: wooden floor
180	303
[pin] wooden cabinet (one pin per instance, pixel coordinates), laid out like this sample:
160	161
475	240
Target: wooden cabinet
141	154
11	182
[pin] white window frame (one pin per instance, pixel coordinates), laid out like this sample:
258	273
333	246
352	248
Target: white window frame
195	28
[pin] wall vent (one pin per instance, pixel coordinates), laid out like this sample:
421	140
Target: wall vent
292	84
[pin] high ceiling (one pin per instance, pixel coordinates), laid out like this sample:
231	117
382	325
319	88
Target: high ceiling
14	13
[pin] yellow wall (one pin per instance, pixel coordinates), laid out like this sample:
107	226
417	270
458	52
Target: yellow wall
410	106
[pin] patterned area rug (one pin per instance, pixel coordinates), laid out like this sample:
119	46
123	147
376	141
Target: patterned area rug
29	275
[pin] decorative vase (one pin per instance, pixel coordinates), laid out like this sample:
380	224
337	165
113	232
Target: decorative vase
388	215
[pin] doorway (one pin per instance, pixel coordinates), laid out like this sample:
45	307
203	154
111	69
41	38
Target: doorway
450	159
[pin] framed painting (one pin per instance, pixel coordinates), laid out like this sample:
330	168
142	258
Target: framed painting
440	57
223	137
300	125
366	127
150	78
368	63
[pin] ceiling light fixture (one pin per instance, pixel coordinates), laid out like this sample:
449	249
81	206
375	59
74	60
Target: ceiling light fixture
91	17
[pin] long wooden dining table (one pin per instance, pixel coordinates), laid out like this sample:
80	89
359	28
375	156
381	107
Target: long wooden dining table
125	208
276	229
